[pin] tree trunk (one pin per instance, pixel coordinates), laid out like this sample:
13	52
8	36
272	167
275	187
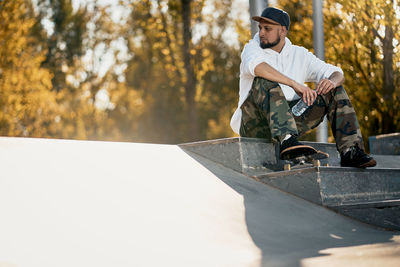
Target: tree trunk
190	83
388	125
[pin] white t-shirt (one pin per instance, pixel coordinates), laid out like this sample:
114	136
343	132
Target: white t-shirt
294	61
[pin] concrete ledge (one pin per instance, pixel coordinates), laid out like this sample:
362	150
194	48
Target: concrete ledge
385	144
334	186
387	161
245	155
346	186
368	195
252	155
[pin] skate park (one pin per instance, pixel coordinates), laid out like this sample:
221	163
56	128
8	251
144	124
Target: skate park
116	147
92	203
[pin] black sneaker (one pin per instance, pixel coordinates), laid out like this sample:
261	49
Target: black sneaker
356	157
291	148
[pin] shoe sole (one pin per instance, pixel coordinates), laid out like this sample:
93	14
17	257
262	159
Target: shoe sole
371	163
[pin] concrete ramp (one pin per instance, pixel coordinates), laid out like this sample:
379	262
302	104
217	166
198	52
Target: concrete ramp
369	195
83	203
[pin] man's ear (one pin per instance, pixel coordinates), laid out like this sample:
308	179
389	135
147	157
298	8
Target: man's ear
284	31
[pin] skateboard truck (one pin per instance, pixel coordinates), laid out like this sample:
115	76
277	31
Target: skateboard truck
314	162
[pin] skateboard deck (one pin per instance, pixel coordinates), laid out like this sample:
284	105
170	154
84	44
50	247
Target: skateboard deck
303	156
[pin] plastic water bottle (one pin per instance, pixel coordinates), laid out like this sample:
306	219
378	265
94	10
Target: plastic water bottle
299	108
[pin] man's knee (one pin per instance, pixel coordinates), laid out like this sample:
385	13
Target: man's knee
340	92
341	97
336	96
261	83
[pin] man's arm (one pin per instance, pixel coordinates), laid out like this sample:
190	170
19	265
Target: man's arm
265	71
325	85
326	75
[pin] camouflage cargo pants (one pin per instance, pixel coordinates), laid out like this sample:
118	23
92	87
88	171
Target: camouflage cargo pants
267	114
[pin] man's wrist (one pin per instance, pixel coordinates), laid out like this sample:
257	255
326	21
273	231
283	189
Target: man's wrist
335	84
293	84
297	88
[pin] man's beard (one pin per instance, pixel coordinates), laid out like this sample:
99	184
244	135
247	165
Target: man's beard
269	45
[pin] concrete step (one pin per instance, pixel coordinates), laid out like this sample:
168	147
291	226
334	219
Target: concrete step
252	155
387	161
369	195
245	155
385	144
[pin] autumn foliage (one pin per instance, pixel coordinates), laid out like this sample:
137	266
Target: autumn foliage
168	71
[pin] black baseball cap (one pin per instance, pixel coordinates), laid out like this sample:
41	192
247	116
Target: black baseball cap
274	16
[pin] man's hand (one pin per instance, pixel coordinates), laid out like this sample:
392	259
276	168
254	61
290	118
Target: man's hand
307	94
324	86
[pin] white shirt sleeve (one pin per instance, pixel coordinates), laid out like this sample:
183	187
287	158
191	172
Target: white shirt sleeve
318	69
252	55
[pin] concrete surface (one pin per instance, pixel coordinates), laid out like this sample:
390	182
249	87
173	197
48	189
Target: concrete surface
385	144
369	195
386	161
252	156
81	203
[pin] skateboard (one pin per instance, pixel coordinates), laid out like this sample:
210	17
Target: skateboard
303	156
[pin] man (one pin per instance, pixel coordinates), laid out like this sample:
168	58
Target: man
272	77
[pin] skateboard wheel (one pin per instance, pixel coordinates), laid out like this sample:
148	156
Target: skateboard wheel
316	163
286	167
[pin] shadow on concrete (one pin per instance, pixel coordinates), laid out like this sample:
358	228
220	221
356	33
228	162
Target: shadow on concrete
288	229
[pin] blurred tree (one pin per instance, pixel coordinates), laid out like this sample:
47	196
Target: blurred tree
72	37
190	79
364	39
64	36
183	68
219	58
301	23
27	105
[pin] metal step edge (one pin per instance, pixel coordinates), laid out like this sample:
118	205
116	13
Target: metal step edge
353	169
370	204
278	174
323	169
